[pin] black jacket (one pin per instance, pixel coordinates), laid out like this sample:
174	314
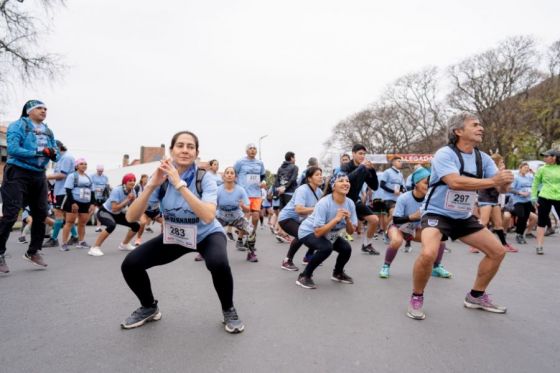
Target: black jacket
287	177
359	175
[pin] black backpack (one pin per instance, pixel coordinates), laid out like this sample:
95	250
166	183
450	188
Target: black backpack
478	160
199	175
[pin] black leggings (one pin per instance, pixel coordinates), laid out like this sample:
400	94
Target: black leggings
154	253
110	220
522	210
324	248
291	227
544	210
22	187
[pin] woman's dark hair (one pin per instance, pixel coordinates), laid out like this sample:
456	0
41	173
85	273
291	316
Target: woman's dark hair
176	136
212	161
310	171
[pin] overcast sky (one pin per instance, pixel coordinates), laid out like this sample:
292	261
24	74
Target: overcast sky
233	71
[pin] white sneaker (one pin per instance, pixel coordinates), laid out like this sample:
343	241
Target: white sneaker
95	251
98	229
127	247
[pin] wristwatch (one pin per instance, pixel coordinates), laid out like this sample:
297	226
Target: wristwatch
181	184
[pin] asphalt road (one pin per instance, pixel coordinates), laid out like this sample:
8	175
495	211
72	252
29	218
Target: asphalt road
66	318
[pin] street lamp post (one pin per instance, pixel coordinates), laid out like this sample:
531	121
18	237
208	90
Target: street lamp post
260	139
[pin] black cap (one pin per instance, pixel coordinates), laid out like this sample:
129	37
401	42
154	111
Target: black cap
550	152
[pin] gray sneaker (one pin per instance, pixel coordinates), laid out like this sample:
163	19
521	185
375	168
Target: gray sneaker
3	266
64	247
231	322
540	250
141	316
484	303
51	242
520	239
240	245
83	245
415	308
35	259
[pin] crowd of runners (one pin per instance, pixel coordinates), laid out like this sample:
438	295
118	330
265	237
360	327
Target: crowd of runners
462	194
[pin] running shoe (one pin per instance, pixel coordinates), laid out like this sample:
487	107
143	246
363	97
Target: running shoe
230	236
415	308
540	250
520	239
73	241
83	245
95	251
3	265
375	236
473	250
384	272
240	245
198	258
446	249
549	232
306	259
484	303
141	316
289	265
349	237
252	257
231	322
440	271
342	278
305	282
282	239
386	238
51	242
369	249
530	235
138	242
64	247
35	259
149	229
22	240
99	229
510	249
126	247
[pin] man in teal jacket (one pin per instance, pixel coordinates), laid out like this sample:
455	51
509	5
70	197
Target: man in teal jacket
31	145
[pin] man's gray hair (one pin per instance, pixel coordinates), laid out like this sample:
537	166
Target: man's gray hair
456	122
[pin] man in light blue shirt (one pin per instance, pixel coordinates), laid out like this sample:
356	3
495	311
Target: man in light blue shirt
250	172
458	171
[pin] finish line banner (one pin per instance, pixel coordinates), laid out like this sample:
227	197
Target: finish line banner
406	158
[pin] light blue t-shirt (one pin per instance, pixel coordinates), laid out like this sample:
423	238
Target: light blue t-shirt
175	209
81	192
446	162
100	182
265	202
325	211
117	195
228	203
249	172
217	178
303	196
522	184
407	205
392	178
65	165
